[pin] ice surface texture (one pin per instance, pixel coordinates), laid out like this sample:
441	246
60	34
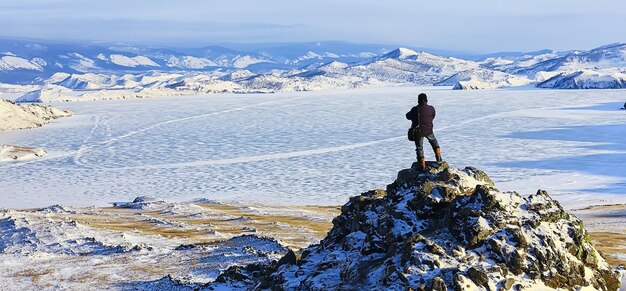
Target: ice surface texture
318	147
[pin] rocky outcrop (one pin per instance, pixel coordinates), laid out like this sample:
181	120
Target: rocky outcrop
22	116
440	229
14	153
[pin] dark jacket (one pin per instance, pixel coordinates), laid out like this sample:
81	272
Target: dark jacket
427	114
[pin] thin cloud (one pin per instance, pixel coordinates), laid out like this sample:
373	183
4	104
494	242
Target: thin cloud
478	26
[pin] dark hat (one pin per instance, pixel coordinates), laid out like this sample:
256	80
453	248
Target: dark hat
422	99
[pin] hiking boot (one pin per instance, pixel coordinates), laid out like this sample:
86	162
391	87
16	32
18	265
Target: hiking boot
438	154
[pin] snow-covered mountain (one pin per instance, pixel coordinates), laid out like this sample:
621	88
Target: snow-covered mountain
43	58
517	63
586	79
481	78
604	57
72	72
10	62
401	65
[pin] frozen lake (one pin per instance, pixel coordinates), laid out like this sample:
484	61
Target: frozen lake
318	147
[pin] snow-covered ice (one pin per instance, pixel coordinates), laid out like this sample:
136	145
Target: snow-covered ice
318	147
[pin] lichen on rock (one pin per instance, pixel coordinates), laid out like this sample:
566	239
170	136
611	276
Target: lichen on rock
439	229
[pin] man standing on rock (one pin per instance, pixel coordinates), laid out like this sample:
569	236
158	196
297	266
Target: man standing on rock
422	115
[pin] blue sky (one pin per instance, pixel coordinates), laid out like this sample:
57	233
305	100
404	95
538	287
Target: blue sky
469	26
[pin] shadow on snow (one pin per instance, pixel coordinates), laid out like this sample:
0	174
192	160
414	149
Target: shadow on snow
611	138
610	106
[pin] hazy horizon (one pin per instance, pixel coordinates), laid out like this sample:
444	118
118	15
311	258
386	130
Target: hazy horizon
446	51
458	26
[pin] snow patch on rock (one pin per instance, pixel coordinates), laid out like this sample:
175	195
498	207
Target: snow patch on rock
17	153
428	231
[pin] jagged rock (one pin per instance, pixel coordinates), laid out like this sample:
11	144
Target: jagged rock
458	251
407	175
289	258
142	199
508	283
435	249
439	229
439	284
479	175
478	276
238	273
463	283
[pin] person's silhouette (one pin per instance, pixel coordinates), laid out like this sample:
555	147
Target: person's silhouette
422	115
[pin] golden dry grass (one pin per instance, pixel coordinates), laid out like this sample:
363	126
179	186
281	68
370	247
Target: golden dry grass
611	244
34	274
296	229
611	241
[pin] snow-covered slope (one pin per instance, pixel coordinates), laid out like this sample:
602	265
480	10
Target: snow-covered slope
517	64
483	79
240	61
401	65
125	61
11	62
189	62
22	116
13	91
605	57
600	68
237	75
586	79
405	65
609	56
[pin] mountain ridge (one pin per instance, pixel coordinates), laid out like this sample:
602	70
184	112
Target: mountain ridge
309	67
